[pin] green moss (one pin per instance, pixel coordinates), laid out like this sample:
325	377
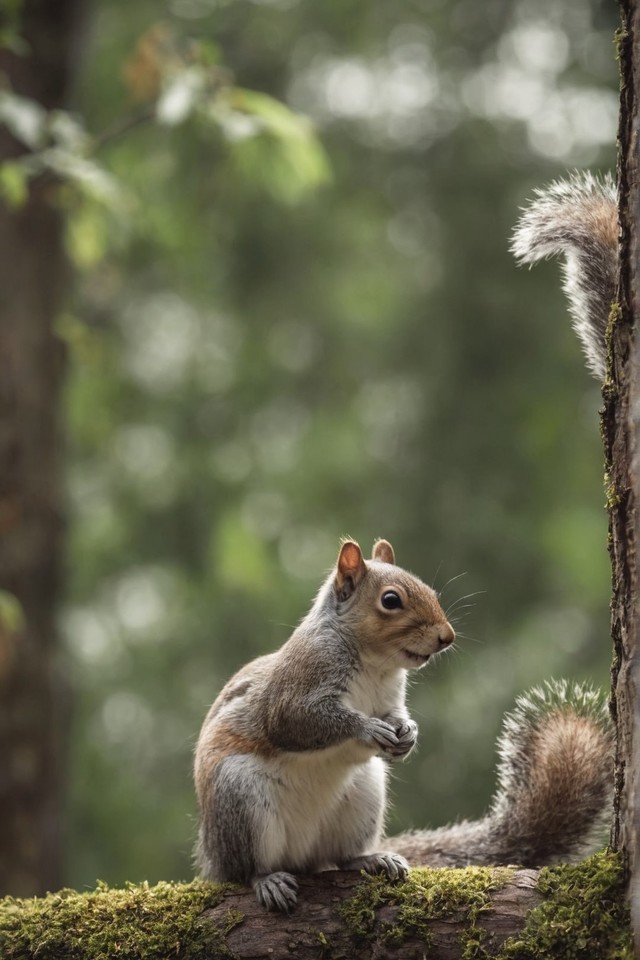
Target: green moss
615	316
612	495
620	37
426	895
609	387
584	915
135	923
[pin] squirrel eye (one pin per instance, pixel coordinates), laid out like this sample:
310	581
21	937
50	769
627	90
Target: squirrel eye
390	600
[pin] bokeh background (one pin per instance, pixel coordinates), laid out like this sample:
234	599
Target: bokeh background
276	340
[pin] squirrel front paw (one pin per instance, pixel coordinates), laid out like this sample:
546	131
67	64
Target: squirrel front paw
277	891
406	731
382	736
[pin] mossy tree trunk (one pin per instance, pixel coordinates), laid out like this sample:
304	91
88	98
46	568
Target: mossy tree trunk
33	279
621	434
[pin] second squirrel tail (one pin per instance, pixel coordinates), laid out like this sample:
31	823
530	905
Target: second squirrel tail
578	218
555	781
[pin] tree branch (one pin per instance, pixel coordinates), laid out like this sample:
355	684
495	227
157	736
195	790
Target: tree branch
444	914
122	126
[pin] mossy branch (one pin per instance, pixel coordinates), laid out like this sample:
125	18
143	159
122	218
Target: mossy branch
565	912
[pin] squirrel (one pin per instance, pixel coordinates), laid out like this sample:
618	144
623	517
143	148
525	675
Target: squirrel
291	763
290	768
577	218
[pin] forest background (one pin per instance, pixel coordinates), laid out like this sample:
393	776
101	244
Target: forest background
276	340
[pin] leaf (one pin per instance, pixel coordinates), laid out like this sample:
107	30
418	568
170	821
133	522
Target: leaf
87	233
10	38
206	52
273	145
277	118
181	96
145	68
87	175
13	183
67	131
25	118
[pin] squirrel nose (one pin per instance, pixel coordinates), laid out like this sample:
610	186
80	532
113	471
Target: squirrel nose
446	635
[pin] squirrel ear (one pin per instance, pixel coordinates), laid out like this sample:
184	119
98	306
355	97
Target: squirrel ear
383	551
351	569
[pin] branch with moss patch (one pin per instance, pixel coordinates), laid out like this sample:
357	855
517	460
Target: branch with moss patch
576	912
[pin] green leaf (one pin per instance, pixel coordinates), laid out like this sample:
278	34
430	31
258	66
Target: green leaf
274	146
278	119
87	175
10	38
13	183
87	233
206	52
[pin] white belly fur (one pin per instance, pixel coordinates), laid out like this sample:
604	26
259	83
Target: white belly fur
302	791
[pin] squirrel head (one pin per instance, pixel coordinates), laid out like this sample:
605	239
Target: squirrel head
395	616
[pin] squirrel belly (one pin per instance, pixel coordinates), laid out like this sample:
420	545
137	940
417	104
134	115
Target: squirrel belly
555	783
577	218
290	767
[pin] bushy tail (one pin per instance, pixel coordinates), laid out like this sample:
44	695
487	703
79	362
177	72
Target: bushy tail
555	781
578	218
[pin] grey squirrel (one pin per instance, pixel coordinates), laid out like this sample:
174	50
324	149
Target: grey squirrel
291	762
290	765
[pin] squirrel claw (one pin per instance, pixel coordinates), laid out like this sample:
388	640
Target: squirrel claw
407	731
277	891
392	865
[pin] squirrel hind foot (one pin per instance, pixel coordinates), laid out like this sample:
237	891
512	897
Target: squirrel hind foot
391	865
277	891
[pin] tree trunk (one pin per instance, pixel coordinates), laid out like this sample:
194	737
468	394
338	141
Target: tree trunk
621	433
33	280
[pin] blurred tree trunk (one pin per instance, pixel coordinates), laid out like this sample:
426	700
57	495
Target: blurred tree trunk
33	279
621	432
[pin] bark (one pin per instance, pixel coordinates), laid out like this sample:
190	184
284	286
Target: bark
621	432
317	922
33	281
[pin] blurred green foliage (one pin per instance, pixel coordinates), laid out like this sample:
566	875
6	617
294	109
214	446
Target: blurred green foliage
267	356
